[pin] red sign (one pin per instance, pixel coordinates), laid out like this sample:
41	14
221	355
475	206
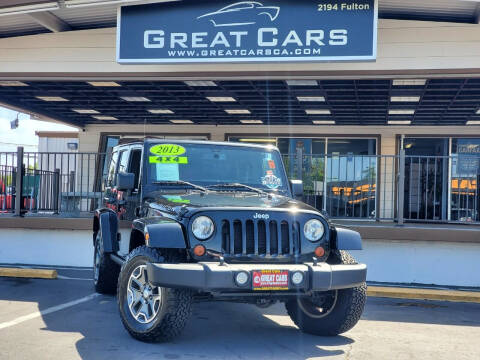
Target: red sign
270	279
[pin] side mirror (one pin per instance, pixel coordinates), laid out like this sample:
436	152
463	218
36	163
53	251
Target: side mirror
297	188
125	181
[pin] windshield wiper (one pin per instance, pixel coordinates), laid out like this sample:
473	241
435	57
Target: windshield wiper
237	186
179	183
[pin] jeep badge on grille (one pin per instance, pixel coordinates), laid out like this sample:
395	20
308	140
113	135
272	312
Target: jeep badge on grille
261	216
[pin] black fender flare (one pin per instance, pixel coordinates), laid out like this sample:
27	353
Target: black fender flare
347	239
107	223
162	233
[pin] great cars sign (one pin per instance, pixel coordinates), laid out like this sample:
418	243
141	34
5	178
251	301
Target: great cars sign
247	31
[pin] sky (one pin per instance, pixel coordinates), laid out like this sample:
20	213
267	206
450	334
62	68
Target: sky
24	135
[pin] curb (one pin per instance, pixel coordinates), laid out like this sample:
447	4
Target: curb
28	273
372	291
424	294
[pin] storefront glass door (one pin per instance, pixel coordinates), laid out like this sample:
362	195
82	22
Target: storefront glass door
426	178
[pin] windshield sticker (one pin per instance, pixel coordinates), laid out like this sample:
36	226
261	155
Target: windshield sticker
167	150
271	181
167	172
271	164
177	199
168	160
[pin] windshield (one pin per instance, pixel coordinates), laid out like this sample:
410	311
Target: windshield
207	165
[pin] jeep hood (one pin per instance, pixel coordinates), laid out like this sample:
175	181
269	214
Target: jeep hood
195	200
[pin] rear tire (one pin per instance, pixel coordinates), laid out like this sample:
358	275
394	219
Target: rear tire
333	312
149	313
105	271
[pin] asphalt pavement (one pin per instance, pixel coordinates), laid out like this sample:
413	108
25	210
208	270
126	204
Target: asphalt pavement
65	319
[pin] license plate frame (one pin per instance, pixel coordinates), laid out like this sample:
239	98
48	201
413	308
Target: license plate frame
270	280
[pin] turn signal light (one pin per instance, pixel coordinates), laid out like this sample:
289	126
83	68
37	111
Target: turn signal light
319	252
199	250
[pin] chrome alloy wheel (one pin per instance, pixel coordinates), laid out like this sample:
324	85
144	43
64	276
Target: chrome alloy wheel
319	305
143	299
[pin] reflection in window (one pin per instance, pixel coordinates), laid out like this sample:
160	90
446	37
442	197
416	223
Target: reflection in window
343	169
113	167
123	162
465	179
109	143
351	185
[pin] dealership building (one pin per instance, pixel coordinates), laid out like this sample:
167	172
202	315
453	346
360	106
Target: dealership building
375	105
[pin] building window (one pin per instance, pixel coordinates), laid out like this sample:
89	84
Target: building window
351	178
465	177
73	146
339	174
442	179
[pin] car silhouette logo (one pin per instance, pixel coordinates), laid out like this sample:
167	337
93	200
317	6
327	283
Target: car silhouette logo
243	13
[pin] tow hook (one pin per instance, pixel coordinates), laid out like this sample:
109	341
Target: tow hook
220	258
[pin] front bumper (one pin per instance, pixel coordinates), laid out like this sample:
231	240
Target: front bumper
213	277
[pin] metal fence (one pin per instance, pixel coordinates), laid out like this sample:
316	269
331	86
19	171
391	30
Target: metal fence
67	183
442	188
376	187
387	187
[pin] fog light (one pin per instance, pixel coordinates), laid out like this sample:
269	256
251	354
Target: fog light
297	278
241	278
199	250
319	252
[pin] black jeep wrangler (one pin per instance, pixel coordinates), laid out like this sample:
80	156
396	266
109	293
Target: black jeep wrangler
186	221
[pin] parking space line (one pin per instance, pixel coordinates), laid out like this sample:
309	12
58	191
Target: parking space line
47	311
61	277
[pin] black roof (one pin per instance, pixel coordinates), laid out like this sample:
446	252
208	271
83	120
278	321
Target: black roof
449	101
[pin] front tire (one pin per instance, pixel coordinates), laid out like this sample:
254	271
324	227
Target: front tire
333	312
150	313
105	271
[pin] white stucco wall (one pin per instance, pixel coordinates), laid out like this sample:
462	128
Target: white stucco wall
439	263
46	247
421	262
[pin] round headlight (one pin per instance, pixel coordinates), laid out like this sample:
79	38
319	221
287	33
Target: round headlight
202	227
313	229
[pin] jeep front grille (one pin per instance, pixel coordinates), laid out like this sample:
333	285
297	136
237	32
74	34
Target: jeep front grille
260	237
